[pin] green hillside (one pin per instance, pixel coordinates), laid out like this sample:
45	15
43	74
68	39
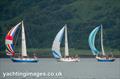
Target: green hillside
44	18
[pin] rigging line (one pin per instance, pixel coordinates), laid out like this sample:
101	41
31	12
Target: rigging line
27	32
17	37
99	41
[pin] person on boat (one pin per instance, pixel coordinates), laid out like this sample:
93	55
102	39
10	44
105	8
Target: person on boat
21	57
69	57
72	57
76	56
107	57
35	56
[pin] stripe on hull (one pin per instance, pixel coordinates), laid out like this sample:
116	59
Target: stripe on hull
14	60
105	60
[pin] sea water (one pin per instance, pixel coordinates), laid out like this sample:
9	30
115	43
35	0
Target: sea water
48	68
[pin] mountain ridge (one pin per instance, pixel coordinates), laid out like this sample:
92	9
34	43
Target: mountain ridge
45	18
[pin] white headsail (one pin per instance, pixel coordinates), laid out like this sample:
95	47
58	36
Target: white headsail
66	42
24	51
103	52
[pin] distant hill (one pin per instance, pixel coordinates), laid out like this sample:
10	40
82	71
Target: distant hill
44	18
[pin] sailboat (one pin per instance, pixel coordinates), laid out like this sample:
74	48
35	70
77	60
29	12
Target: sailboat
100	56
56	47
10	46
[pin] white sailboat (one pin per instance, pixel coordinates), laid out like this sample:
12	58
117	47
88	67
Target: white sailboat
103	57
9	44
56	47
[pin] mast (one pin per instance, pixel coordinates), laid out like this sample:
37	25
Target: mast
103	52
66	42
24	50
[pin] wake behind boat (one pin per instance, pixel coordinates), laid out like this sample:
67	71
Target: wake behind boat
56	47
103	57
10	46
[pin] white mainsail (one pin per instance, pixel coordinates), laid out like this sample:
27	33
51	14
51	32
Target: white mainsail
103	52
24	50
66	42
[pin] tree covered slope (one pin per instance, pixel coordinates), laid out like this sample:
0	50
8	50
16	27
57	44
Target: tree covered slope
44	18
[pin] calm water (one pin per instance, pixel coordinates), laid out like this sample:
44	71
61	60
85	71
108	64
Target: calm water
87	68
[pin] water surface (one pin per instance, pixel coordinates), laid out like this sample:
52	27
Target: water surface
87	68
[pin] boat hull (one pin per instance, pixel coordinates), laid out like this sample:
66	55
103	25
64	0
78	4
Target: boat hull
105	60
69	59
24	60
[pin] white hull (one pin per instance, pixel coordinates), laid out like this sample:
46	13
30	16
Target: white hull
69	59
24	59
105	59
